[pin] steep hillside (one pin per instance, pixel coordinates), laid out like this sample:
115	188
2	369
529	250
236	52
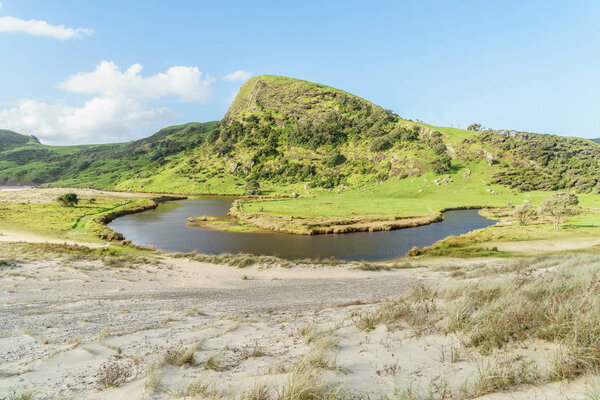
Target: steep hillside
10	139
102	166
292	137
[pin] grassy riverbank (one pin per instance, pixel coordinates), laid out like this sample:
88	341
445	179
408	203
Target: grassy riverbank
36	211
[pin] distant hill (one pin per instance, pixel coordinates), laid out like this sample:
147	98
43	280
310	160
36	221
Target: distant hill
287	136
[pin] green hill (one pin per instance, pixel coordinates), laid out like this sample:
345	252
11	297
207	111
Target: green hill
292	137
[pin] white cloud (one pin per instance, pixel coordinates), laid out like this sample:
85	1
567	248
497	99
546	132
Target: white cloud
238	76
41	28
118	107
186	83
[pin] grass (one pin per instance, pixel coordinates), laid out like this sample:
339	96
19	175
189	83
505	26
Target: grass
26	395
113	374
502	375
554	299
180	355
46	217
201	387
214	362
305	383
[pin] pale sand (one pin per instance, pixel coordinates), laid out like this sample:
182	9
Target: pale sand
61	320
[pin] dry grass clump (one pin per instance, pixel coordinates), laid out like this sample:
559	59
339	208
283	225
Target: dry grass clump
501	375
201	387
214	362
179	355
241	260
321	354
27	395
561	305
305	384
113	374
258	391
418	310
112	256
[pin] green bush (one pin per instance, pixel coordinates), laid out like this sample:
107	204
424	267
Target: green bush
68	199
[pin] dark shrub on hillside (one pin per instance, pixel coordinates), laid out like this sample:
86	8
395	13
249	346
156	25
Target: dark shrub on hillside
252	188
441	165
381	144
336	158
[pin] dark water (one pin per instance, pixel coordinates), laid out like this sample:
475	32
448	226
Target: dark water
166	229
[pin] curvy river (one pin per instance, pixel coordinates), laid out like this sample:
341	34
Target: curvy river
166	228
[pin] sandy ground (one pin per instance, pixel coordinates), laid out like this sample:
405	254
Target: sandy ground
63	321
49	195
536	247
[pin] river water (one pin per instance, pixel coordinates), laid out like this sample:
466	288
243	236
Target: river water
166	228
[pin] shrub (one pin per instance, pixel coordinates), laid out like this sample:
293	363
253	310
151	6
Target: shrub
559	206
113	374
336	158
381	144
524	214
441	165
68	199
252	188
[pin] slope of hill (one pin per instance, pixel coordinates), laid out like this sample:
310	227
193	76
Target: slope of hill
29	162
291	137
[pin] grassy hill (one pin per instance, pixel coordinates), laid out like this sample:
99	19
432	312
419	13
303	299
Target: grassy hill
319	146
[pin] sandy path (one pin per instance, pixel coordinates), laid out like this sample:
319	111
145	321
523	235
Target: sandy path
10	236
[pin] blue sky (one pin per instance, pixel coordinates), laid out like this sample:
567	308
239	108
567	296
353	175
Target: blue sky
530	66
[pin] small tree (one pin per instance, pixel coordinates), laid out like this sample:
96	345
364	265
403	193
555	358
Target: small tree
441	165
68	199
474	127
559	206
252	187
524	214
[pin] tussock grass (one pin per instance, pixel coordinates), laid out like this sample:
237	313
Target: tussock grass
26	395
321	355
201	387
258	391
554	298
214	362
304	383
418	311
179	355
500	375
593	392
112	256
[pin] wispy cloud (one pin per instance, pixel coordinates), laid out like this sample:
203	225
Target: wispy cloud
41	28
238	76
120	104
